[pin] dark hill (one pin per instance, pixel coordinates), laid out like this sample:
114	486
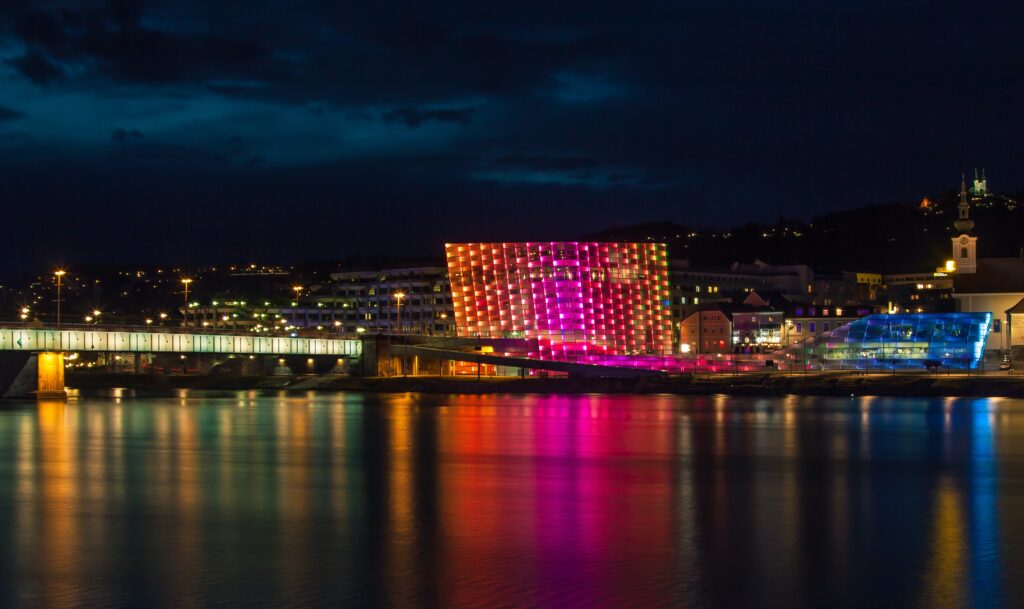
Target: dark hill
888	238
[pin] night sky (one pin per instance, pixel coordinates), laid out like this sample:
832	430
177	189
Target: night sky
199	130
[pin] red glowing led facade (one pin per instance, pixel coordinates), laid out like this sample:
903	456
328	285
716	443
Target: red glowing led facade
576	299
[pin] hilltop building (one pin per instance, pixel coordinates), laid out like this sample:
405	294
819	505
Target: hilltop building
979	189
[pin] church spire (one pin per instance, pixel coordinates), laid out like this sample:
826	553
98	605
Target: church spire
964	224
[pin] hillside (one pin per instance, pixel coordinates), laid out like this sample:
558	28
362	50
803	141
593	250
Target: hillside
889	238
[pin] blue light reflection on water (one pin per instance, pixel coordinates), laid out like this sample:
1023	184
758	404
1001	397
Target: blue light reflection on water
511	501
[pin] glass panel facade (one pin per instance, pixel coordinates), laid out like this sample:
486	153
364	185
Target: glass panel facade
575	298
901	341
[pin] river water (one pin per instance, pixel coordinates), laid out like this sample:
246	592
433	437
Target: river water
353	500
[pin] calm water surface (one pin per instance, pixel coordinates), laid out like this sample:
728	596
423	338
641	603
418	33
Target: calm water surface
511	501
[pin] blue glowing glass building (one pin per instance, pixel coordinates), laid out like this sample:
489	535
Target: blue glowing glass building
900	341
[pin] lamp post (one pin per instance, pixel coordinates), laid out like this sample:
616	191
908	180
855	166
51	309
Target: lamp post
184	316
60	275
398	299
295	307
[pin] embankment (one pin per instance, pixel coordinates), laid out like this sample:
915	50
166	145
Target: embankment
753	384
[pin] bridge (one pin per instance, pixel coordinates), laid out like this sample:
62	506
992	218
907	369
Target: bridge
163	341
41	364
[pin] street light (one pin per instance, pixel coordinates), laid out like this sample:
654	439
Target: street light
60	274
184	315
398	298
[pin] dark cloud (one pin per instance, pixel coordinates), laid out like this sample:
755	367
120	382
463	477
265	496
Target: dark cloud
583	112
549	163
10	114
121	136
37	68
110	43
40	29
414	117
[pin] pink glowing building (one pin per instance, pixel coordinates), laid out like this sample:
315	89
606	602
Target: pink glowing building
577	300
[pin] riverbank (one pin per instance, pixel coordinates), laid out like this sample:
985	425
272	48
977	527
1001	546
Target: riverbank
751	384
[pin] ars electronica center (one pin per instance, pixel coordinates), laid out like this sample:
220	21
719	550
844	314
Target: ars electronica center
608	304
574	299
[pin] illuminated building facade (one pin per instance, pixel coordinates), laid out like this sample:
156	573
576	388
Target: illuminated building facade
902	341
707	330
576	299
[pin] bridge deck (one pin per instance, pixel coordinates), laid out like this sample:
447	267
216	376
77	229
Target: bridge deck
125	341
583	370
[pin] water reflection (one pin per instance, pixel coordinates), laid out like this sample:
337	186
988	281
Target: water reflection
492	501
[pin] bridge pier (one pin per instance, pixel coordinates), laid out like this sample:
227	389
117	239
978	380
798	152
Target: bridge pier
50	375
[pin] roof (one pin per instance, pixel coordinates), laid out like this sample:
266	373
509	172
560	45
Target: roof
1017	308
704	308
771	298
994	275
740	309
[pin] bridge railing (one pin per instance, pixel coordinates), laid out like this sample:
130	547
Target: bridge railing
156	340
301	333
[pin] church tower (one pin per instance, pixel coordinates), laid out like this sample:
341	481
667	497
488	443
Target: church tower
965	252
980	188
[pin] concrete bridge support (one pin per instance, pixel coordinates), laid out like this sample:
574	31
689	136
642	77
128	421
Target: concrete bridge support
28	375
50	385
